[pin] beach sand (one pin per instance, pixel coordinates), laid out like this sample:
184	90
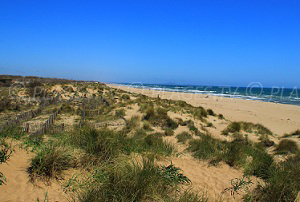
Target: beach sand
279	118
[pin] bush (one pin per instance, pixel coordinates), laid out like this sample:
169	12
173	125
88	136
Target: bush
183	137
286	146
154	143
147	126
210	112
125	97
103	144
5	151
131	181
120	113
50	161
133	123
220	116
236	153
295	133
169	132
247	127
159	117
283	183
206	148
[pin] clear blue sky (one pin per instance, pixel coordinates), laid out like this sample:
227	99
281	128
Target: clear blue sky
210	42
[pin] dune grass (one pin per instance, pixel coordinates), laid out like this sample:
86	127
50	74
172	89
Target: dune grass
239	153
159	117
133	181
295	133
247	127
286	146
183	137
283	183
50	161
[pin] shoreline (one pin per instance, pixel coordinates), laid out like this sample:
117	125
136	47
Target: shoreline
279	118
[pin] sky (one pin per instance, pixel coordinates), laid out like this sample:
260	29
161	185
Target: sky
209	42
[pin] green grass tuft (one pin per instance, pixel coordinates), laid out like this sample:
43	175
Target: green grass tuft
287	146
183	137
50	161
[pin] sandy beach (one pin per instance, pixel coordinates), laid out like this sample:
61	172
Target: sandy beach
279	118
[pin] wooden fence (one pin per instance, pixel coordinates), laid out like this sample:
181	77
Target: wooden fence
29	114
45	126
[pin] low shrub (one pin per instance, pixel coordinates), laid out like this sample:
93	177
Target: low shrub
286	146
5	151
210	112
169	132
295	133
159	117
125	97
103	144
147	126
283	183
155	144
133	123
239	153
50	161
120	113
183	137
132	181
247	127
220	116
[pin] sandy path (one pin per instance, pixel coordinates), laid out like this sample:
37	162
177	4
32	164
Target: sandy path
280	118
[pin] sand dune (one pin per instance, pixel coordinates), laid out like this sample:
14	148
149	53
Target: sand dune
280	118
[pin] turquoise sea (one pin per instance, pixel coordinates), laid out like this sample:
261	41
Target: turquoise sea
253	92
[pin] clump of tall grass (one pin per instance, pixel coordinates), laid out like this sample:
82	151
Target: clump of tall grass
295	133
283	183
247	127
147	126
132	181
236	153
210	112
120	113
125	97
220	116
14	132
287	146
103	144
155	144
50	161
159	117
5	151
132	123
169	132
183	137
265	141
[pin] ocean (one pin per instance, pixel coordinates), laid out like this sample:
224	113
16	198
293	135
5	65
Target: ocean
253	92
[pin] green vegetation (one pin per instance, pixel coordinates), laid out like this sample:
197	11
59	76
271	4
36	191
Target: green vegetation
105	150
283	183
247	127
183	137
295	133
5	154
238	153
50	161
132	181
120	113
169	132
210	112
287	146
159	117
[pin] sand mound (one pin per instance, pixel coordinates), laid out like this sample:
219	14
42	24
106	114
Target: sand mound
19	188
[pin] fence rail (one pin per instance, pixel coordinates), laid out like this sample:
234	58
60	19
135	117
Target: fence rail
29	114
